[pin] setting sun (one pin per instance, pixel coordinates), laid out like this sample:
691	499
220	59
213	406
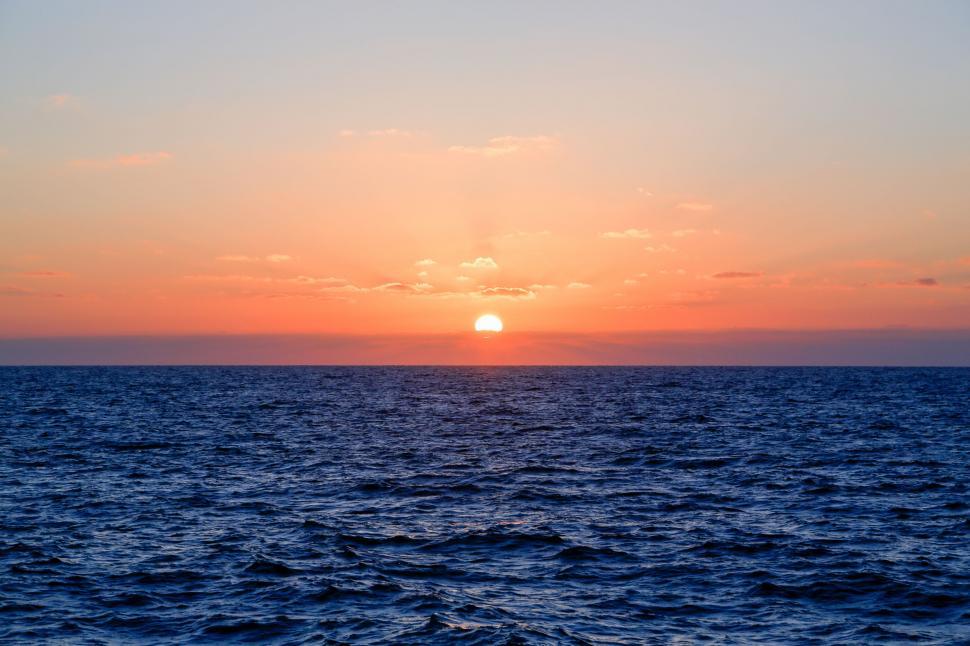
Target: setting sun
488	323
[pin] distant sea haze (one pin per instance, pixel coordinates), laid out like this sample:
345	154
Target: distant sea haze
877	347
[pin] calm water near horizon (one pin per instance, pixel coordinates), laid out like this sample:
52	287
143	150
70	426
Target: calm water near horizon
484	505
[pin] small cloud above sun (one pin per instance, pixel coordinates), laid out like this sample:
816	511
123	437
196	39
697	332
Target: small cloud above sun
488	323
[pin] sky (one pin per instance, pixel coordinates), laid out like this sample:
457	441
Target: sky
585	170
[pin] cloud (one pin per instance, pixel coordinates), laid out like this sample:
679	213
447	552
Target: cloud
737	274
462	278
664	248
631	281
508	145
60	101
425	262
227	278
390	132
382	132
124	161
21	292
683	233
143	159
540	286
876	263
695	206
406	288
515	235
311	280
328	287
273	257
644	192
44	274
508	292
578	285
422	274
927	281
480	263
639	234
349	287
236	258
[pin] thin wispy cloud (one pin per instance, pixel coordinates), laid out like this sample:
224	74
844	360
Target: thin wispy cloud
683	233
517	235
876	263
407	288
312	280
664	248
124	161
924	282
306	284
390	132
237	258
508	292
508	145
143	159
425	262
60	101
737	274
638	234
44	274
227	278
380	132
23	292
578	285
485	262
695	206
273	257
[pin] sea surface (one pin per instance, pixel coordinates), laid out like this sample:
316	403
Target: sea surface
484	505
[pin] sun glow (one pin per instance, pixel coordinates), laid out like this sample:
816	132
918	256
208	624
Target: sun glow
488	323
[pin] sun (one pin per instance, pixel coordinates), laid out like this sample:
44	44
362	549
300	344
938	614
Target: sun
488	323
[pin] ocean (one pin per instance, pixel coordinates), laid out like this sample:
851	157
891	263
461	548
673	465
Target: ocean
484	505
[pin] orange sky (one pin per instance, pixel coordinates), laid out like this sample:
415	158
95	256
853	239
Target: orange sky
184	186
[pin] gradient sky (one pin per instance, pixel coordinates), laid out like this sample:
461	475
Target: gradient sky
374	168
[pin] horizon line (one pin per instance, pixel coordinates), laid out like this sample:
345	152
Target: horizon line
856	347
632	366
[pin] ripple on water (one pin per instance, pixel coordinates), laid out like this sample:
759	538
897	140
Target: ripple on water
484	505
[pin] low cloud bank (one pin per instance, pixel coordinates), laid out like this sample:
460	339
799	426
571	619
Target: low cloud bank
889	347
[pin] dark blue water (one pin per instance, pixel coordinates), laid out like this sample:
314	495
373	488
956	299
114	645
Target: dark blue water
490	505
